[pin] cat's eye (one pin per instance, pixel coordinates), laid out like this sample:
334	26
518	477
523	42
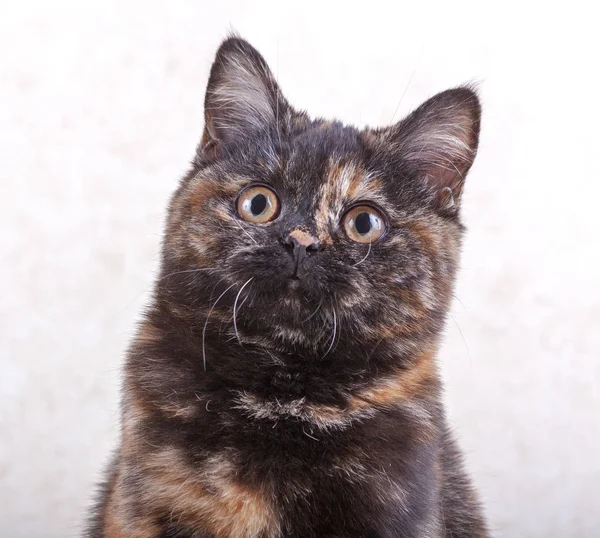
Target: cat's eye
364	224
258	205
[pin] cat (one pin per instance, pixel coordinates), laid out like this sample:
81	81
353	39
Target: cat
283	382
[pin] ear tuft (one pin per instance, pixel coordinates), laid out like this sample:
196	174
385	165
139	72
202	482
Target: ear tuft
242	96
440	141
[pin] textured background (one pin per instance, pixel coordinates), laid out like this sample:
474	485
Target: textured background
100	111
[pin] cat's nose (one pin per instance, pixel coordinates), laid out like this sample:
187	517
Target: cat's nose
301	242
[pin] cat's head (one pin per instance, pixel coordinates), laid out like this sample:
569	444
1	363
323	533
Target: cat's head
309	236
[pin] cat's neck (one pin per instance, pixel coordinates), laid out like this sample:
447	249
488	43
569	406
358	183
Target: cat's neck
176	364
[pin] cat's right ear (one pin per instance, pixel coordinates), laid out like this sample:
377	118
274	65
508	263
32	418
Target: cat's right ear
438	141
242	97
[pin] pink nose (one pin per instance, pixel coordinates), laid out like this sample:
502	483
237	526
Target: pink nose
303	238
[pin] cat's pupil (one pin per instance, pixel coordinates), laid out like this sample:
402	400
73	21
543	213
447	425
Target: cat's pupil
258	204
362	222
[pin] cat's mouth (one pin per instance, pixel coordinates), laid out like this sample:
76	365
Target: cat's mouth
293	282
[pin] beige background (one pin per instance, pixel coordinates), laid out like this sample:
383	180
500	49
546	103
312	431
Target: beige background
100	111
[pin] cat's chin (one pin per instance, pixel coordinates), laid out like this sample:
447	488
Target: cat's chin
293	284
302	292
286	301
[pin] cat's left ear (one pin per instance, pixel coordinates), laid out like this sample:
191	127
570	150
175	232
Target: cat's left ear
242	97
439	140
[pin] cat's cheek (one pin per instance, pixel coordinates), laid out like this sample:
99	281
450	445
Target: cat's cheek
198	247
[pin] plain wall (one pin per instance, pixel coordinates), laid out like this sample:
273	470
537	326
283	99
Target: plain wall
100	112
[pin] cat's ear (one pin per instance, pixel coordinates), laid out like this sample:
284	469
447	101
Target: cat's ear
242	96
439	140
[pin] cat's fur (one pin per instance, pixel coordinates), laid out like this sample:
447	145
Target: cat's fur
253	410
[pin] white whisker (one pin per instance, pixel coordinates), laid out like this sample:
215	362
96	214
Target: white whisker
235	308
242	228
309	435
187	271
408	83
366	256
206	324
334	334
277	95
463	338
315	312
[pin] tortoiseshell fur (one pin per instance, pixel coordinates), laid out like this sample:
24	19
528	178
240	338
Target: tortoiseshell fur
254	408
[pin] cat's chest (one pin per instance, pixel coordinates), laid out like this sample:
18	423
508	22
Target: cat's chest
286	496
287	468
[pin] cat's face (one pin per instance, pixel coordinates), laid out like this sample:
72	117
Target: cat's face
293	233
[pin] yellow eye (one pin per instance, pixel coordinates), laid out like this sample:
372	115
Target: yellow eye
258	205
363	224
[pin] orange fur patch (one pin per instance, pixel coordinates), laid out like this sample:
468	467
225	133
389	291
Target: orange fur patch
403	386
116	519
344	183
427	239
208	498
303	237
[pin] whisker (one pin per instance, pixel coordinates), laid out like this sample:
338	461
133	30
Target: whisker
309	435
235	308
244	300
277	96
408	83
374	348
366	256
187	271
242	228
463	338
460	302
315	312
206	324
334	334
275	359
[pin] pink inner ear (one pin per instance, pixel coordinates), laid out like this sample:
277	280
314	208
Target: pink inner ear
444	199
242	95
447	174
447	151
440	139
